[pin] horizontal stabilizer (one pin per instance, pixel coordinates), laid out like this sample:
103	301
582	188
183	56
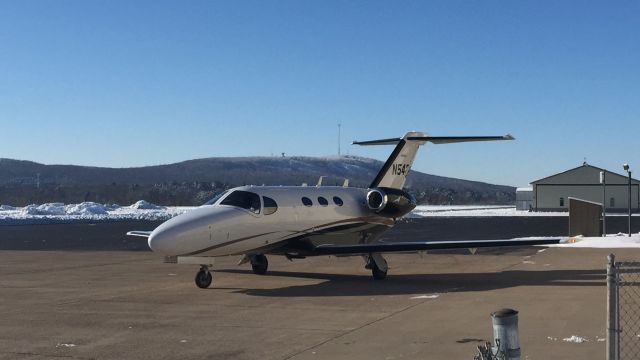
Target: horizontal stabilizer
382	247
145	234
457	139
436	139
391	141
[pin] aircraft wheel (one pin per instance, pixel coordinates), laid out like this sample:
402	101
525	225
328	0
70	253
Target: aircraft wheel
203	279
259	264
377	273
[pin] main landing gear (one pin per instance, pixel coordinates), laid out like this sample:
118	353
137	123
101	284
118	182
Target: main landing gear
378	266
259	264
204	277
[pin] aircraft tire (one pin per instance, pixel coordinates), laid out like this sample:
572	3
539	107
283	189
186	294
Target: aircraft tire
259	264
377	273
203	279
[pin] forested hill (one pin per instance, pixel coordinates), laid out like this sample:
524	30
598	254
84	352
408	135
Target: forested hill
192	182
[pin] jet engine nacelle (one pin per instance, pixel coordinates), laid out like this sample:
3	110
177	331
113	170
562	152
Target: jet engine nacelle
390	202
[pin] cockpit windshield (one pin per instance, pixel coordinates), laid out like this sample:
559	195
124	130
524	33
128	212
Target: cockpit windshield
243	199
216	197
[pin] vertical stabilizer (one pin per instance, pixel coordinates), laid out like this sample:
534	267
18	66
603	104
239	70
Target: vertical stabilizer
395	170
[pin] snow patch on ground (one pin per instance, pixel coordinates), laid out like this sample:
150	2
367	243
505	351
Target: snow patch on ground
575	339
86	211
482	211
608	242
475	210
432	296
66	345
145	205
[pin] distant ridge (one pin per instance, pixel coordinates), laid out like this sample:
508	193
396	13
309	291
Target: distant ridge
191	182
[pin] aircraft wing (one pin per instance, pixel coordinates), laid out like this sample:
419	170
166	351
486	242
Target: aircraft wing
383	247
145	234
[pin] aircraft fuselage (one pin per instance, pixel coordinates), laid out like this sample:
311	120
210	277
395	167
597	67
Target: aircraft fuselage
315	215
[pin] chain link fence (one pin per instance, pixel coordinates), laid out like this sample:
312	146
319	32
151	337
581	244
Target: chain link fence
623	303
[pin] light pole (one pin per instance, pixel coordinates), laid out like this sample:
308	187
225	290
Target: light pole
626	168
603	181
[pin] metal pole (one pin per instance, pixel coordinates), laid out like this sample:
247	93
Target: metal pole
612	310
629	203
505	331
603	175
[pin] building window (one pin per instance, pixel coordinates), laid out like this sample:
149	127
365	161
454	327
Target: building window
561	202
306	201
322	201
270	205
612	202
337	201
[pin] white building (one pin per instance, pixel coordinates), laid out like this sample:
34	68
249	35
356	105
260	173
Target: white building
552	192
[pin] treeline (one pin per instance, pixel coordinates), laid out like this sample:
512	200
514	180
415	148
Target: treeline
192	182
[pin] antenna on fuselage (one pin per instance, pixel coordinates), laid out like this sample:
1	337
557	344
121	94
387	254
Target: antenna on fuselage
345	183
320	181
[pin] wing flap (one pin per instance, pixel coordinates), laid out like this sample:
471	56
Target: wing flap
383	247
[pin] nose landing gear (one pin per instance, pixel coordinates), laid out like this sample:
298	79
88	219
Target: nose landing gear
259	264
203	277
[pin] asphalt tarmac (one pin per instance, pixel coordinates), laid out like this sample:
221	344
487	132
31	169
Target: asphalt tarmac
130	305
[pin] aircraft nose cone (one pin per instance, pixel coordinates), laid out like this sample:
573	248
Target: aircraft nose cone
186	233
160	241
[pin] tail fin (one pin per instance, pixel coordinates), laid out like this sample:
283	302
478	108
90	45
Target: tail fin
395	170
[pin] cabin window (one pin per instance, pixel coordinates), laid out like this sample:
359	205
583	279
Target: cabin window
322	201
243	199
270	205
306	201
337	201
612	202
216	197
561	201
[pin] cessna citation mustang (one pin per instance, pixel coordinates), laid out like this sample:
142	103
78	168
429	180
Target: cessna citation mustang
301	221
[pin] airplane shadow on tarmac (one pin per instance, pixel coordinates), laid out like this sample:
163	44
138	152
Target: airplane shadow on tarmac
364	285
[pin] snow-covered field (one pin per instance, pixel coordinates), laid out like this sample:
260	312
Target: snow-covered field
483	211
86	211
475	210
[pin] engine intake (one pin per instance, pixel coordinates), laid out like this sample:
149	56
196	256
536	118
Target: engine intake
390	202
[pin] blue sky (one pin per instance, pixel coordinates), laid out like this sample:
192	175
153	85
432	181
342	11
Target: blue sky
129	83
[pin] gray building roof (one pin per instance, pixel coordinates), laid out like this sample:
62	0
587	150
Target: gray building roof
585	174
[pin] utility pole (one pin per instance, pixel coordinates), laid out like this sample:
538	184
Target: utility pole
339	125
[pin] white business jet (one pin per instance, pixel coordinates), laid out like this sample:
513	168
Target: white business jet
301	221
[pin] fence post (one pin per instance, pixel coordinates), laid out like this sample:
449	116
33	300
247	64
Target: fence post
505	330
613	340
